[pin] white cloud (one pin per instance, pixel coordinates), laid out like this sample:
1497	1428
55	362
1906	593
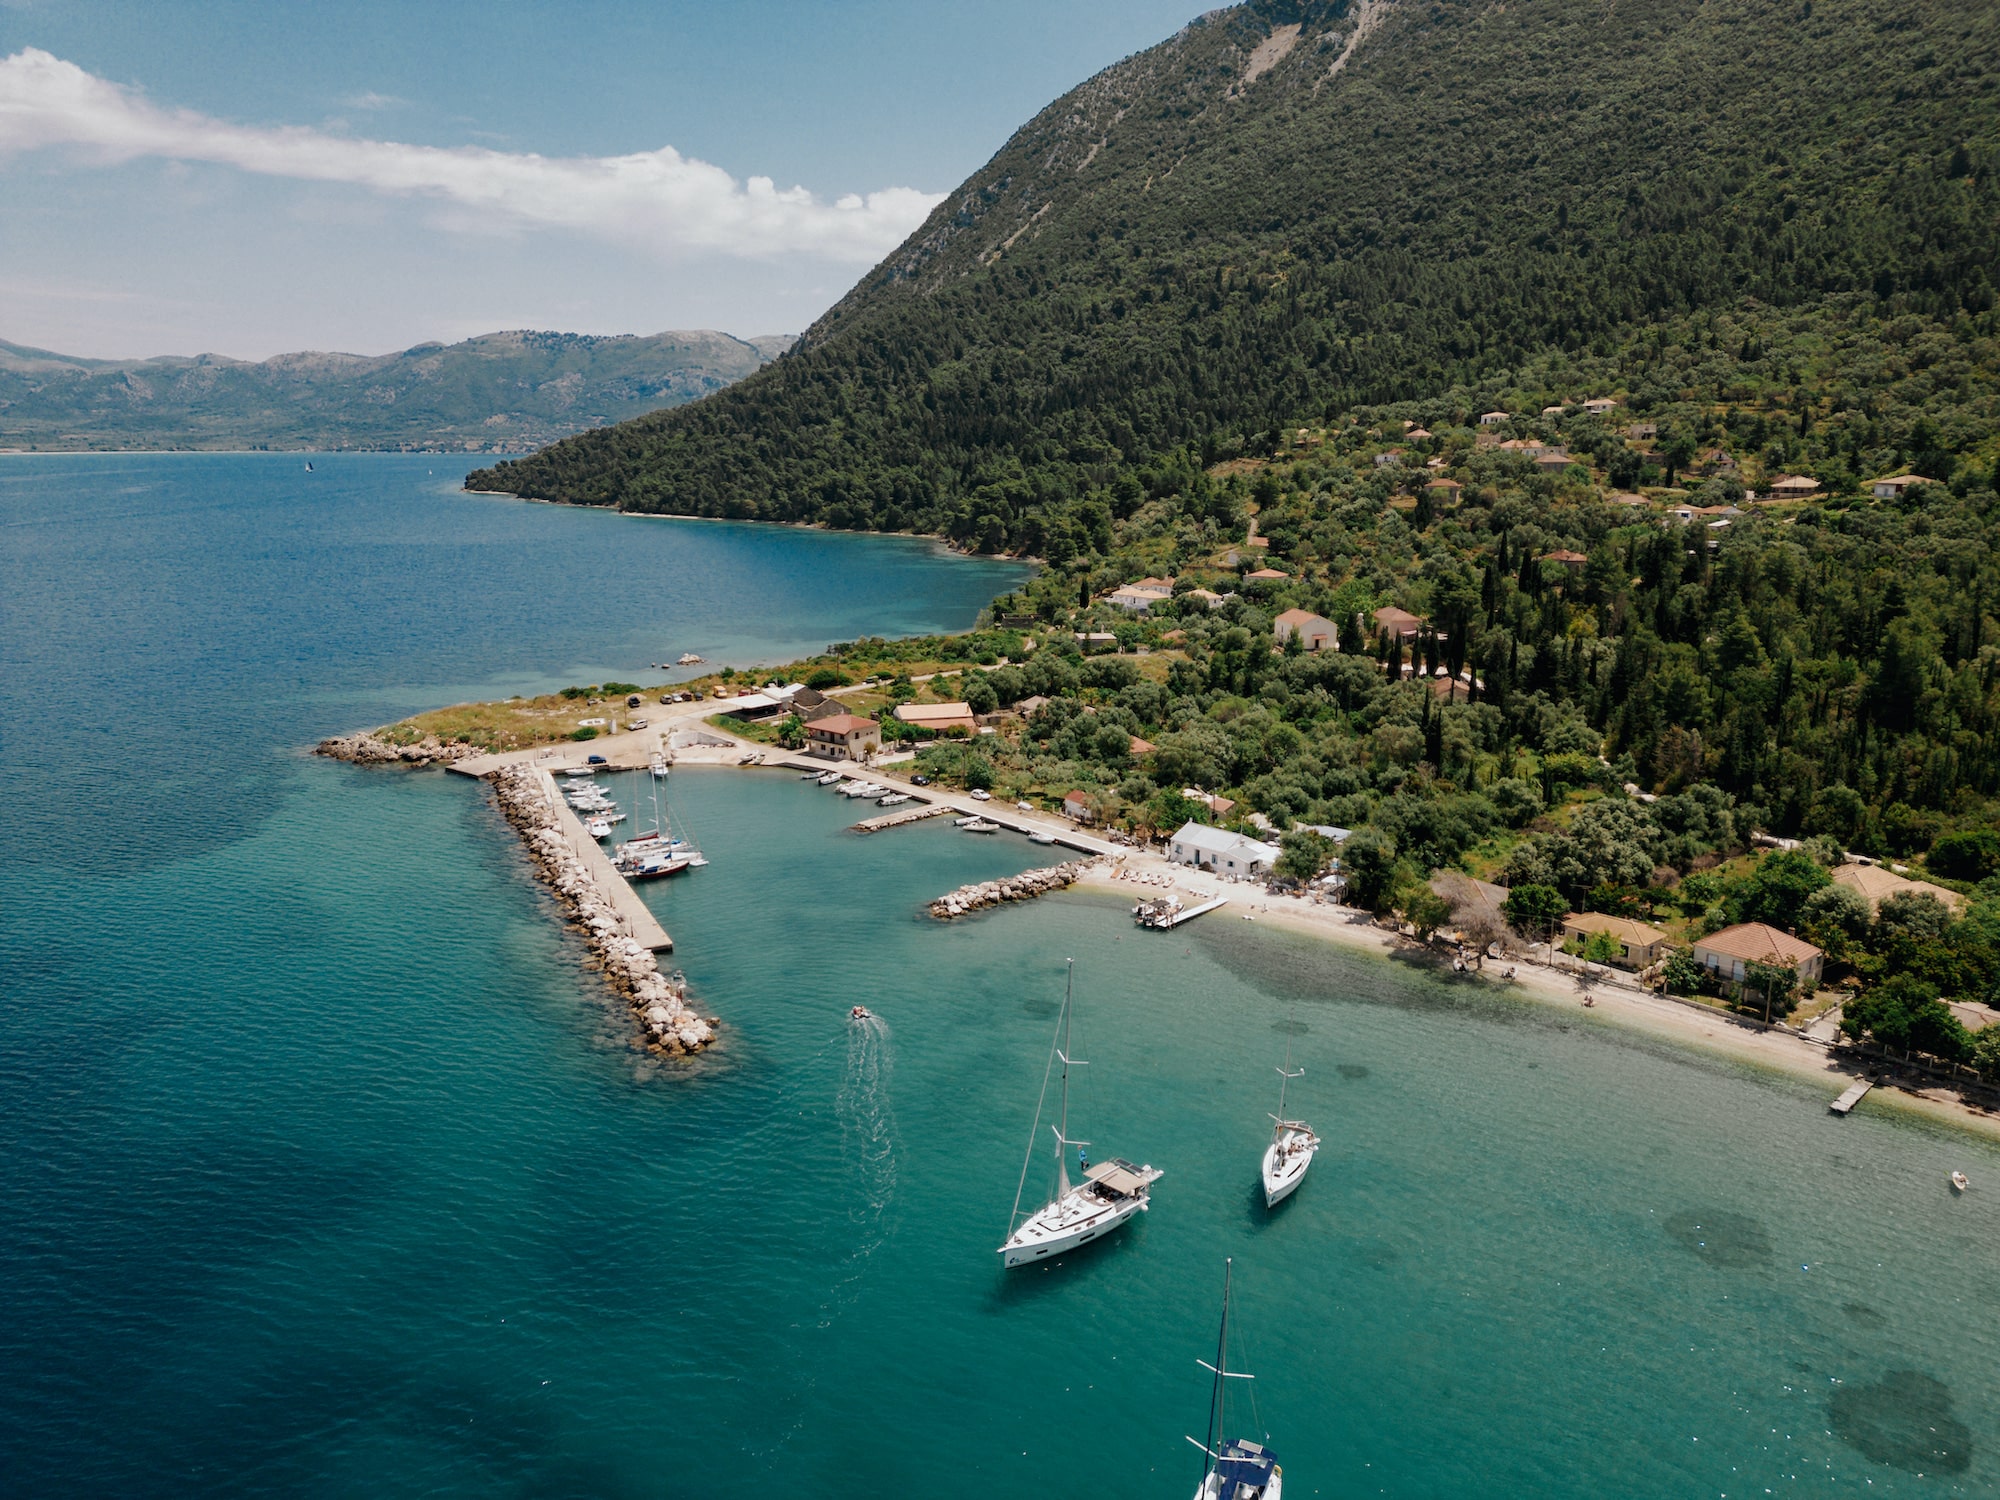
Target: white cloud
656	198
373	100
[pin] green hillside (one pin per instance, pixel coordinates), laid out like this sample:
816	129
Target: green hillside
1224	235
501	392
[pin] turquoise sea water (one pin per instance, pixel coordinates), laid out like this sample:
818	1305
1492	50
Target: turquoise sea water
324	1168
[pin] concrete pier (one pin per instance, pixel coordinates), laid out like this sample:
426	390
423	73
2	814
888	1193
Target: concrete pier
640	924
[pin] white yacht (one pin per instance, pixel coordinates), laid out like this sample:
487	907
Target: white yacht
659	766
1111	1191
831	778
894	799
1293	1145
1235	1468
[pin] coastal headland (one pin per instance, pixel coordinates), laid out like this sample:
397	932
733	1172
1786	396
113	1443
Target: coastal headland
693	733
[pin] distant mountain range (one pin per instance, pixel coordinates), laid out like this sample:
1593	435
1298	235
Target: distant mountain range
498	393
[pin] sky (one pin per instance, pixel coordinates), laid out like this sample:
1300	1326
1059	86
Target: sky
247	178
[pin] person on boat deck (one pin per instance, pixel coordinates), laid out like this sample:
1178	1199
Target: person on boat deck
1082	1159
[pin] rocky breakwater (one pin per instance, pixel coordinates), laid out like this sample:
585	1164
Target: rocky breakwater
365	749
659	1001
1023	887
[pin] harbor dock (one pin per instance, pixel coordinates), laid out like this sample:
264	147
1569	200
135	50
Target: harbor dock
1854	1095
1167	914
897	819
639	922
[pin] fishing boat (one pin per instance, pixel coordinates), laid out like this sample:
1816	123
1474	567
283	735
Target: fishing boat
1293	1144
980	825
579	770
1111	1191
1960	1182
659	766
831	778
862	789
893	799
598	828
1235	1468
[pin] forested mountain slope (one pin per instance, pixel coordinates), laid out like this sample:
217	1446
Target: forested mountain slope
496	393
1225	233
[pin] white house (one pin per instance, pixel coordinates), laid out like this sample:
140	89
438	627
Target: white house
1892	489
1223	852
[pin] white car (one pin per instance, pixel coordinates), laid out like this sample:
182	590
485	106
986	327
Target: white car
980	794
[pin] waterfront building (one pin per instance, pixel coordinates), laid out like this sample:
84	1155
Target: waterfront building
842	737
1223	852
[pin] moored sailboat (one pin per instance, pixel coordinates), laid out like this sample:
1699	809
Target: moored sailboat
1110	1194
1293	1145
1235	1468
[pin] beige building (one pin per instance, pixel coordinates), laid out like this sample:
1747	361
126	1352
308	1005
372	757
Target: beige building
1639	944
1874	883
1728	953
842	737
1315	632
938	717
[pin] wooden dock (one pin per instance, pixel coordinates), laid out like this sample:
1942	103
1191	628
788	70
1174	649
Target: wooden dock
903	815
1169	920
1854	1095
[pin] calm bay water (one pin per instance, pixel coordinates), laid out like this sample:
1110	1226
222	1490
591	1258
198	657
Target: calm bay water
324	1168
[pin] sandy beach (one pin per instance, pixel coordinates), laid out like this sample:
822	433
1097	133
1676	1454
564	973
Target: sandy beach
1619	1001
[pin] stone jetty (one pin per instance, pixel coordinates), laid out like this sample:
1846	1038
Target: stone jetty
365	749
670	1027
1023	887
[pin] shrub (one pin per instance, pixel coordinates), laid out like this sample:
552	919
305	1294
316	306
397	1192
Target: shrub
823	678
588	732
1965	856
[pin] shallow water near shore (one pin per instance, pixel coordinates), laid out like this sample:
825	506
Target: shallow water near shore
325	1169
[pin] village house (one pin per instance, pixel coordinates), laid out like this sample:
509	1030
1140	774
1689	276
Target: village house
1447	490
1875	883
1792	487
1571	560
1143	595
1208	597
1079	807
1097	640
1553	460
1639	944
1315	632
1474	903
1494	418
1627	499
1639	432
938	717
1552	411
1139	747
1387	457
1218	807
1398	622
842	736
1223	852
1728	953
1892	489
1597	406
1416	435
1266	575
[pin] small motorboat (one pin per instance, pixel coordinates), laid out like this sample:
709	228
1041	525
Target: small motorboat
831	778
894	799
579	770
861	1013
598	828
980	825
1044	837
1960	1182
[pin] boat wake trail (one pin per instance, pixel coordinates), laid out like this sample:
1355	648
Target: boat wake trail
868	1132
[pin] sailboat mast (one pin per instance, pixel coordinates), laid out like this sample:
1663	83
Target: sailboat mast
1221	1372
1062	1130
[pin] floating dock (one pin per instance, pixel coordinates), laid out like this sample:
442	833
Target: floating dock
898	819
1854	1095
1164	915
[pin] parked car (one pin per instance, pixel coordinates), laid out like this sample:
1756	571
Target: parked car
597	760
920	781
635	723
980	794
670	697
633	700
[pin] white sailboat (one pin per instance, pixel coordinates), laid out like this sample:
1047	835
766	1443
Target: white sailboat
1235	1468
1293	1145
1111	1191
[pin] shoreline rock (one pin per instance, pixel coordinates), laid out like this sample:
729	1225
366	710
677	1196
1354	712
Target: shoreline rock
658	1001
366	749
1023	887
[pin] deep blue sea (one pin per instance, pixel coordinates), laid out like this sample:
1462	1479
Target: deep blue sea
325	1169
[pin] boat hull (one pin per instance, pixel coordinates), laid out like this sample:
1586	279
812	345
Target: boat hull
1046	1235
1284	1169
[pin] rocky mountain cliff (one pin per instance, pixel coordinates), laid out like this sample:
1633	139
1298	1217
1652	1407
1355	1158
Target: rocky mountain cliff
501	392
